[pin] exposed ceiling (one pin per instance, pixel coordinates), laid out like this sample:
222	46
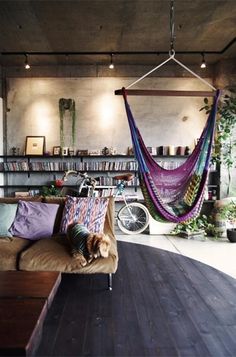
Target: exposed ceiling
115	26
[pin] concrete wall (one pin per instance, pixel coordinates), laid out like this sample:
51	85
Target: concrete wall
100	116
32	106
226	74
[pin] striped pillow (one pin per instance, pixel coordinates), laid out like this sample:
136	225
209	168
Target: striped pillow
89	211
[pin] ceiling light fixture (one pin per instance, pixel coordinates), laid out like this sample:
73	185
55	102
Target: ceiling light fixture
111	65
119	53
27	65
203	64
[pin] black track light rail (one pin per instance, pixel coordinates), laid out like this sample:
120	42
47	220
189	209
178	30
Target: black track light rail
116	53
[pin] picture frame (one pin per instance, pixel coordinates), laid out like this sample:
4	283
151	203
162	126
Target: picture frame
130	151
95	152
82	152
65	151
56	151
35	145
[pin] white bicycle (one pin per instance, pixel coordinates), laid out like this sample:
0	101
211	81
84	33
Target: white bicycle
132	218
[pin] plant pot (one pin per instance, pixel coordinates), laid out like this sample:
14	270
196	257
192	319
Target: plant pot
231	235
197	235
220	225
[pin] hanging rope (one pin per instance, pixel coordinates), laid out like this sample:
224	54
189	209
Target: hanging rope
171	55
172	27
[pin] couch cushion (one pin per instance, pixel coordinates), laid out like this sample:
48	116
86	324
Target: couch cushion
34	220
89	211
7	215
50	255
10	249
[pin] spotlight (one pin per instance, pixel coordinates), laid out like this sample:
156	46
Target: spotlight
111	65
27	65
203	64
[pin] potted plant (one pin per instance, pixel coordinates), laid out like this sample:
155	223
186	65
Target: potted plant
225	144
228	213
195	228
54	188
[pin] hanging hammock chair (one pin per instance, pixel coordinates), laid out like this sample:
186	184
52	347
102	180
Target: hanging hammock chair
174	195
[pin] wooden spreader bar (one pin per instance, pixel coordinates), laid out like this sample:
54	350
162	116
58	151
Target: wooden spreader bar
167	93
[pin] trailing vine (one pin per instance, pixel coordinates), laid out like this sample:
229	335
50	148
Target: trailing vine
67	104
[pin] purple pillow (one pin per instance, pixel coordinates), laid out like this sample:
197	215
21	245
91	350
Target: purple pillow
34	220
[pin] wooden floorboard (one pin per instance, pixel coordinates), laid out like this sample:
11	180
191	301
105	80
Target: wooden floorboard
162	304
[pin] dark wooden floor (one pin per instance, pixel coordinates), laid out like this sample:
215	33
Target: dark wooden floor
162	304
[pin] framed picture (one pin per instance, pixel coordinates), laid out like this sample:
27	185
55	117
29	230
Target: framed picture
130	151
95	152
56	151
65	151
35	145
82	152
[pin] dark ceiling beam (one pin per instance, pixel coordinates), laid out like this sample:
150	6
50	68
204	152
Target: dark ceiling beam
108	53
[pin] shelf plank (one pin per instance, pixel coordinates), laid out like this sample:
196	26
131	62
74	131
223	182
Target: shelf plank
61	171
86	157
69	186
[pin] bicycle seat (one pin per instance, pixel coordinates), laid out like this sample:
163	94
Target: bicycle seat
125	177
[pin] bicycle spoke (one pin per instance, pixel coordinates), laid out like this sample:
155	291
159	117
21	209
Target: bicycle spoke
133	219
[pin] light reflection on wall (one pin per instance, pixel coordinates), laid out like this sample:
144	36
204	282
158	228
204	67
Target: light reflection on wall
106	111
40	116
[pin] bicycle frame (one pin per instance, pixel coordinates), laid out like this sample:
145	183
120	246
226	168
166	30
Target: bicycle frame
120	192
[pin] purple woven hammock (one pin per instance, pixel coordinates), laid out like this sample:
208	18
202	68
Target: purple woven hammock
174	195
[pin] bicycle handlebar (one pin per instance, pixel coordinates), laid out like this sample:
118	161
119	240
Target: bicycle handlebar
87	180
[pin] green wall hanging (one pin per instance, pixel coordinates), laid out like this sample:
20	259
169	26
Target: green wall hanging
67	104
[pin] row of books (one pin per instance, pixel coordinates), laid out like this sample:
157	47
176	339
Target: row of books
64	166
174	164
38	166
105	192
84	166
14	166
128	197
109	166
28	193
169	165
110	181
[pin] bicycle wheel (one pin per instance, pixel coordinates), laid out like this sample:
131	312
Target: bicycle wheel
133	218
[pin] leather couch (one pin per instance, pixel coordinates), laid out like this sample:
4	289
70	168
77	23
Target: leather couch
53	254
